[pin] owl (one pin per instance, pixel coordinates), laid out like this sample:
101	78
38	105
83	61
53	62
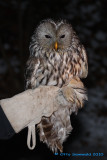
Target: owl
56	57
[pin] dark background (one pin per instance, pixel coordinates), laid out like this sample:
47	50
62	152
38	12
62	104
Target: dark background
18	19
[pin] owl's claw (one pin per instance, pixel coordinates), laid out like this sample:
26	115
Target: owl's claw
68	93
75	92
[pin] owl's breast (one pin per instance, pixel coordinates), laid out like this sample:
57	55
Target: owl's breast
59	69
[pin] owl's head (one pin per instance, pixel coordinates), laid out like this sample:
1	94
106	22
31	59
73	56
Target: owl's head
54	35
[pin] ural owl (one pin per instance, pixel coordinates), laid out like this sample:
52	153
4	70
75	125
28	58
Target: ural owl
56	56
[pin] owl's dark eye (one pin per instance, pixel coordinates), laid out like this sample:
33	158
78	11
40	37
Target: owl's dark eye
62	36
47	36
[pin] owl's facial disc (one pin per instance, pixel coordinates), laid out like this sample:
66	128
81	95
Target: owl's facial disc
51	37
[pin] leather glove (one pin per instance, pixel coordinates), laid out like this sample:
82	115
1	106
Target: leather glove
27	108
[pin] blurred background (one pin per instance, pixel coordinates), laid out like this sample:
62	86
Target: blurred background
18	20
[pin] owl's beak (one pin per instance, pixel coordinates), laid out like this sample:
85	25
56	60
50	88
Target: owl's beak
56	45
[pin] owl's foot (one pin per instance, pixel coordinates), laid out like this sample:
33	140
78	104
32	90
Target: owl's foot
75	92
68	93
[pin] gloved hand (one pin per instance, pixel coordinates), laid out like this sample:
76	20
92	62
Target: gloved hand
27	108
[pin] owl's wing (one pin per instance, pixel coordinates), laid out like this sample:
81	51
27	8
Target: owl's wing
32	66
84	64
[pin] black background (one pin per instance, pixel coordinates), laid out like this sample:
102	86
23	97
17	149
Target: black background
18	19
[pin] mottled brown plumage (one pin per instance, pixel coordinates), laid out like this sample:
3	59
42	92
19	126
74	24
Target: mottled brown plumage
56	58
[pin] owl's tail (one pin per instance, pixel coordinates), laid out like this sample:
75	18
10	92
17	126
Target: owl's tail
48	135
55	129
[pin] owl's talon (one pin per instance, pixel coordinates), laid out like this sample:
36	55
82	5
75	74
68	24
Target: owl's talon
68	93
71	99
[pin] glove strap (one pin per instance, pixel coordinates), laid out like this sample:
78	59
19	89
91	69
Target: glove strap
31	137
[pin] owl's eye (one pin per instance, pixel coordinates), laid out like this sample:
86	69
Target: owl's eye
47	36
62	36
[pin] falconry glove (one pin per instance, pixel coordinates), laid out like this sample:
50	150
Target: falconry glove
27	108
